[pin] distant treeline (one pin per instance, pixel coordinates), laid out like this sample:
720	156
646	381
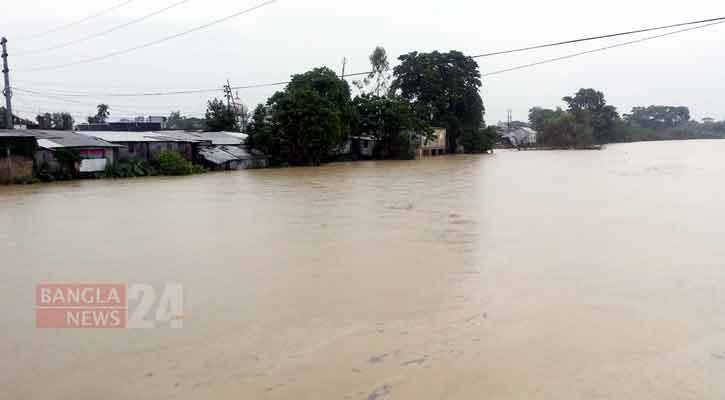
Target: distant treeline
589	120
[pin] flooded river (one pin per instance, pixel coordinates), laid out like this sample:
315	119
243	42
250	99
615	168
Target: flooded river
521	275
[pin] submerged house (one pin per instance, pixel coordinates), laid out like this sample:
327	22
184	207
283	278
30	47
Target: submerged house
95	154
517	136
146	146
435	146
216	150
17	151
226	151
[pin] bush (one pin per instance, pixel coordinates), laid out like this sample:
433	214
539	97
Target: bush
128	169
171	163
477	141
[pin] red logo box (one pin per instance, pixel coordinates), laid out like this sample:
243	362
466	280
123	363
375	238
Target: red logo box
102	306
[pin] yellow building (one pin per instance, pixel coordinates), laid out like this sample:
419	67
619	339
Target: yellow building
433	147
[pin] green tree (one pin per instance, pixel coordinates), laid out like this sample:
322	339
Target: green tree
259	132
62	121
310	118
175	120
45	121
479	141
379	78
658	117
390	120
590	107
220	117
538	117
103	113
444	90
561	129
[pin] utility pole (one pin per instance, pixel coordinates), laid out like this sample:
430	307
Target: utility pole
344	64
7	91
228	93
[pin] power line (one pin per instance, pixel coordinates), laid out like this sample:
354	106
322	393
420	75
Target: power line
51	97
155	42
611	35
262	85
566	57
65	93
104	32
78	22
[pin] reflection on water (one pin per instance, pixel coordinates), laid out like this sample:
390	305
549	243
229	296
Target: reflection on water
562	275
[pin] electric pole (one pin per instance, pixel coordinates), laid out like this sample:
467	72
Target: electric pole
344	64
7	91
228	94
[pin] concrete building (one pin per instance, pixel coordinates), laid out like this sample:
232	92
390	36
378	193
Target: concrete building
432	147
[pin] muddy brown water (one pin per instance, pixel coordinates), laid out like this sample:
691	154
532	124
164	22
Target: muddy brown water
522	275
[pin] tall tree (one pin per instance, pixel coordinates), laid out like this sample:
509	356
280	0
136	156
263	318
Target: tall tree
103	113
378	80
590	107
220	117
45	121
387	119
560	129
444	90
175	120
310	118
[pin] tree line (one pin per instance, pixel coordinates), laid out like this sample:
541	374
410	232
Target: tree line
588	121
315	114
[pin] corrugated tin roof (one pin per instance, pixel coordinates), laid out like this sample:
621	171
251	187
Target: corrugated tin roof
70	139
16	133
57	139
217	155
239	135
123	137
222	154
216	138
48	144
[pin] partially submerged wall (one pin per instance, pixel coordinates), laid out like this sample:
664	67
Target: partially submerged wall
15	168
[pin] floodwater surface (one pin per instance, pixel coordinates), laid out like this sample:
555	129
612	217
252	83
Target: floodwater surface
519	275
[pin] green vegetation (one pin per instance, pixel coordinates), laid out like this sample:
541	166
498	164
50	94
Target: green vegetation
55	121
590	121
68	161
102	114
479	141
169	163
128	169
314	116
443	89
308	120
388	119
180	122
220	117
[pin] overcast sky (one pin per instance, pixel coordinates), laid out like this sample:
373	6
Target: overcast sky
292	36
